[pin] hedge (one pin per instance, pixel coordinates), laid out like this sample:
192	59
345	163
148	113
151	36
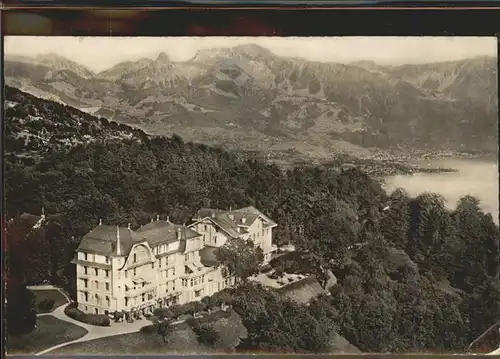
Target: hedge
93	319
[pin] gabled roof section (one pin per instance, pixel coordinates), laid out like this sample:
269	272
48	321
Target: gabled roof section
206	212
233	222
252	210
163	232
103	240
30	219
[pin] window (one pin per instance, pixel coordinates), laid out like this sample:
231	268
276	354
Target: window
197	293
126	274
173	271
153	265
107	273
86	296
107	260
143	297
203	278
107	301
96	285
96	311
186	257
135	257
96	271
215	239
192	282
126	301
85	256
85	283
86	270
135	271
107	286
205	227
184	282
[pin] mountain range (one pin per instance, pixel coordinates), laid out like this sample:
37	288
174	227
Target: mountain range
248	98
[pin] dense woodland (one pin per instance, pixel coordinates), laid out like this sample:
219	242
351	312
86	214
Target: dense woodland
412	275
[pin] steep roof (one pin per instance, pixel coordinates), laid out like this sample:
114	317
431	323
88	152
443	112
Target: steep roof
30	219
102	240
206	212
230	221
252	210
164	232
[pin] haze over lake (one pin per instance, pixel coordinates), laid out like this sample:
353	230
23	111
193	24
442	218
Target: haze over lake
478	178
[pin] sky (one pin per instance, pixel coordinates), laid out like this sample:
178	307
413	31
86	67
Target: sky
100	53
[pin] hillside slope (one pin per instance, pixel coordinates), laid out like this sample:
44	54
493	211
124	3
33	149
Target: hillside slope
35	126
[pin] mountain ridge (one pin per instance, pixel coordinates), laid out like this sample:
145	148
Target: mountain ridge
224	94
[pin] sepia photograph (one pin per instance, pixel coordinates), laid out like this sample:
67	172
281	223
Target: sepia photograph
285	195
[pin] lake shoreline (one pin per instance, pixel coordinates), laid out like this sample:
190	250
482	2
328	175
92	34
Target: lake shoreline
472	176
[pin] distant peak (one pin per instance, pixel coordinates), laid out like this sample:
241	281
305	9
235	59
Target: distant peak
162	57
252	50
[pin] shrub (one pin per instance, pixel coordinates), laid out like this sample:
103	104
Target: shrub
176	310
46	305
207	334
93	319
266	268
118	315
164	313
97	319
149	329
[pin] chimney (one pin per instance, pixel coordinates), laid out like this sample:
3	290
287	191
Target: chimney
213	214
129	226
168	219
151	220
231	216
42	216
243	220
157	217
100	222
118	245
179	234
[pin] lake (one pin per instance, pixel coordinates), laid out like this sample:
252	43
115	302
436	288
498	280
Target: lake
478	178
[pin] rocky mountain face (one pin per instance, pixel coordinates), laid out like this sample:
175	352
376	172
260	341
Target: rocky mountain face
248	98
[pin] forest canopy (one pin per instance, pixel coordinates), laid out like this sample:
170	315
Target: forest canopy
412	274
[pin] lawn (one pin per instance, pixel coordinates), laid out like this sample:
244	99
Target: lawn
51	331
41	294
182	340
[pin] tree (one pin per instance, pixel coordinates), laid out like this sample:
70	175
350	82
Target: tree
20	311
164	329
329	237
239	258
206	334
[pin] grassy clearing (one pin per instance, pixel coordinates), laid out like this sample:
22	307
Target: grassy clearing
51	331
182	340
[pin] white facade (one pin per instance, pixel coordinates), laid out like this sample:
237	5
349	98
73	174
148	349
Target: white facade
118	269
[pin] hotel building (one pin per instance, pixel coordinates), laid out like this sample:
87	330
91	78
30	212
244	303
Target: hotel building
162	263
